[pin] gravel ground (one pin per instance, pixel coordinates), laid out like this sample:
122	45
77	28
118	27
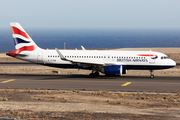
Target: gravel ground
88	105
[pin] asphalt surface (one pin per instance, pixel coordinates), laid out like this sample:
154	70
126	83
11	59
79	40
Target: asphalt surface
79	82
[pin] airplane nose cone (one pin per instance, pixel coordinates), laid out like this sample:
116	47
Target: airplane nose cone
173	63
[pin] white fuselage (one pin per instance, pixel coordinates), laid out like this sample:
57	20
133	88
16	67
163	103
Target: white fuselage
128	59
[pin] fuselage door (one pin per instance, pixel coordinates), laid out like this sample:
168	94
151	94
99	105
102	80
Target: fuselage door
40	56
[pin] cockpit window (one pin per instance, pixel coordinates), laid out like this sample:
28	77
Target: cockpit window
164	57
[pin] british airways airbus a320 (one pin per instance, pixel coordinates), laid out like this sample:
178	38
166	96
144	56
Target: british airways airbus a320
104	61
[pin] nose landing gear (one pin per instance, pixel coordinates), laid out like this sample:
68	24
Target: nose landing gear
152	75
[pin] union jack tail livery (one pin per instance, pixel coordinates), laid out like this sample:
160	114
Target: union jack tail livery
22	40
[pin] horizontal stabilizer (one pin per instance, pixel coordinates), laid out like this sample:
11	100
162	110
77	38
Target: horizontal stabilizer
16	55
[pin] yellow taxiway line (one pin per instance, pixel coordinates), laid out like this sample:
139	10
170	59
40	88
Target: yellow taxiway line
125	84
8	80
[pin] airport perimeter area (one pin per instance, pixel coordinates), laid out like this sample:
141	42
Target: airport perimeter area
39	92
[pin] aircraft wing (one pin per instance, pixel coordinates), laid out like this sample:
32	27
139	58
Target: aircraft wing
89	63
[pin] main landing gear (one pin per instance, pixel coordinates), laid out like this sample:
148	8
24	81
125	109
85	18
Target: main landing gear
92	75
152	75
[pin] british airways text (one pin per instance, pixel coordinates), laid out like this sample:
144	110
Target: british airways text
131	60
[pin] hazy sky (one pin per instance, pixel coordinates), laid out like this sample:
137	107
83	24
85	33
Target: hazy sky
145	14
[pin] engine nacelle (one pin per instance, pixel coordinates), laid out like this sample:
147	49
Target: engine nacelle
112	70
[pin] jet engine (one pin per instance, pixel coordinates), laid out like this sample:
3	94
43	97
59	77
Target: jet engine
112	70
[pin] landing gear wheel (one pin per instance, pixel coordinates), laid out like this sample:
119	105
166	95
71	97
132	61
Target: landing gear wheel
91	75
96	73
152	76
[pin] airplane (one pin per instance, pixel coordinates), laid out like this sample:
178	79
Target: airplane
108	62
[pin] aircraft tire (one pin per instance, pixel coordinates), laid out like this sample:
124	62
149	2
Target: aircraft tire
152	76
96	73
92	75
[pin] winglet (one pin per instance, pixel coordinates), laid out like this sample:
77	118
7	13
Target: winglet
83	48
60	54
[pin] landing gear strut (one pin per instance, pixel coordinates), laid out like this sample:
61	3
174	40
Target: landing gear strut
96	73
152	75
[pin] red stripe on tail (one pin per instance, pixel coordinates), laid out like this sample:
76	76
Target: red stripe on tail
26	48
19	32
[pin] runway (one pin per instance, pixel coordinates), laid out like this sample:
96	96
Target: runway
79	82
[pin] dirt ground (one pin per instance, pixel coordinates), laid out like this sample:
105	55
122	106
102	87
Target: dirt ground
88	105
